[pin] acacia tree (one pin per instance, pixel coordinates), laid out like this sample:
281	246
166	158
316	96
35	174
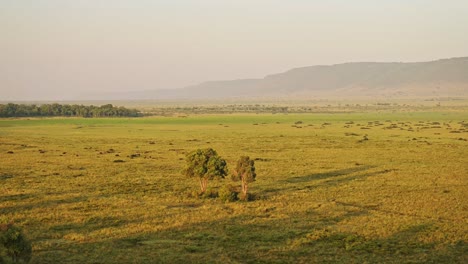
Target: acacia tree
245	172
205	164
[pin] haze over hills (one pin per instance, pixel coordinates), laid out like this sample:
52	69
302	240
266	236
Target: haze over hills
441	78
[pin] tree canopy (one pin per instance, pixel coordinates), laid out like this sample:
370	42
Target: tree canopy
205	164
245	172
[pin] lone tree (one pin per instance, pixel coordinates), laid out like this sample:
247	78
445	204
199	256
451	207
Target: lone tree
205	164
245	172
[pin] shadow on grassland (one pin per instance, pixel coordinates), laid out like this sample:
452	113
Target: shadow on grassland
304	237
328	175
16	197
324	179
41	204
401	247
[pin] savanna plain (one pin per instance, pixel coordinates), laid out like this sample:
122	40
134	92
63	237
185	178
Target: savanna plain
379	185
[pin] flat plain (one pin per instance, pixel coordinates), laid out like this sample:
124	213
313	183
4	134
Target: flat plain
383	186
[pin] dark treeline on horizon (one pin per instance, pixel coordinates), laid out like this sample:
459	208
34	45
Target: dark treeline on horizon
32	110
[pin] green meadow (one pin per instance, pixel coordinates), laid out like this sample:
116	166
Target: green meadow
360	187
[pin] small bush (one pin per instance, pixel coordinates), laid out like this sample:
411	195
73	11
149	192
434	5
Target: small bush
193	194
246	197
209	193
228	193
14	247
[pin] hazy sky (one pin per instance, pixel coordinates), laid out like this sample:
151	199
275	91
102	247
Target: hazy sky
64	49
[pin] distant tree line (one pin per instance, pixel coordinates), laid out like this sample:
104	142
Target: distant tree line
32	110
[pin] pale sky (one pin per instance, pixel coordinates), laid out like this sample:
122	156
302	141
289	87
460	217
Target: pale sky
67	49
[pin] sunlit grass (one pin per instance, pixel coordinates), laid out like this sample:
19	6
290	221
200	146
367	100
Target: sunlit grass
323	192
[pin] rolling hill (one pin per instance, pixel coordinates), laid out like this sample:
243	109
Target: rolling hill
441	78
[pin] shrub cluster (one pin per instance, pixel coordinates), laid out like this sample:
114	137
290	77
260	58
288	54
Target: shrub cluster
228	193
14	247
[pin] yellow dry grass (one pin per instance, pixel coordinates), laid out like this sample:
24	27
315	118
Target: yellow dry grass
323	192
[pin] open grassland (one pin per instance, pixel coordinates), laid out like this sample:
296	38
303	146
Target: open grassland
349	188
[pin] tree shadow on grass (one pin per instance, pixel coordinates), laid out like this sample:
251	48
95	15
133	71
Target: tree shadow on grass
326	179
90	225
5	177
342	180
328	175
41	204
305	237
16	197
401	247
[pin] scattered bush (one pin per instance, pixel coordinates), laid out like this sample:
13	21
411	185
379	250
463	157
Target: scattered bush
228	193
209	193
246	197
14	247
